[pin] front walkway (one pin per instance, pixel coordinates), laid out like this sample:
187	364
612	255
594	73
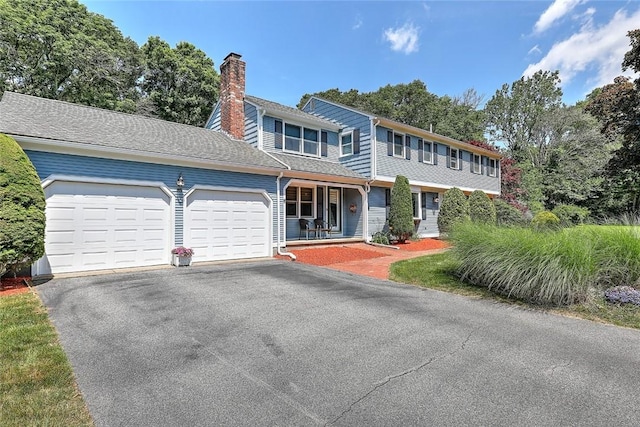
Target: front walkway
361	258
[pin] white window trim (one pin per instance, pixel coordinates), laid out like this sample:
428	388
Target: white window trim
299	202
476	164
302	129
404	148
495	167
451	157
343	134
426	143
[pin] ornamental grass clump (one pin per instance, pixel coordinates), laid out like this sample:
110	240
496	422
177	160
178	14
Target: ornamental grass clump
543	268
554	267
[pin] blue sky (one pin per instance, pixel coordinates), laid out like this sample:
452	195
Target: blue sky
293	48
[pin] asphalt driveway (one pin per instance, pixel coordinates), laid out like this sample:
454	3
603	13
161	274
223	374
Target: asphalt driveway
280	343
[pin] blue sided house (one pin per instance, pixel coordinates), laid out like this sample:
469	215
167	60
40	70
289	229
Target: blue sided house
325	134
122	190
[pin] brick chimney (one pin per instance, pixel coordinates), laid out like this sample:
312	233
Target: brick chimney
232	95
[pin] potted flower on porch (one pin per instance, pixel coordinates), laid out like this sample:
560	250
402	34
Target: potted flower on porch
182	256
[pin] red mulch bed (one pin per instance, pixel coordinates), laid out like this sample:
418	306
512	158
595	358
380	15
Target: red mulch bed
422	245
11	286
333	255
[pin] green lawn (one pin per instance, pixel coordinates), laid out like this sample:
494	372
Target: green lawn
36	382
438	272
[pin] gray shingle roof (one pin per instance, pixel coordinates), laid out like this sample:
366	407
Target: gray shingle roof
56	120
319	166
283	110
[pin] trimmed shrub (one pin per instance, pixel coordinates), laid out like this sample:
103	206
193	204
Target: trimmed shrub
544	221
453	209
22	206
571	214
481	209
401	210
507	215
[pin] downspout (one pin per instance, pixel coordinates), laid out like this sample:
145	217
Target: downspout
365	228
278	243
374	170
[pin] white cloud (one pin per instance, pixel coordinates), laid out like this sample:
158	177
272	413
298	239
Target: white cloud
591	49
403	39
358	22
534	50
555	12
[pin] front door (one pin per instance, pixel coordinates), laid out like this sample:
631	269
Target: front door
335	211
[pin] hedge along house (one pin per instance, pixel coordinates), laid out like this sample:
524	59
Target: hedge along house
317	184
122	190
433	163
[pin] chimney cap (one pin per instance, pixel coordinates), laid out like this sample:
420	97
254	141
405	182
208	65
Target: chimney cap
233	55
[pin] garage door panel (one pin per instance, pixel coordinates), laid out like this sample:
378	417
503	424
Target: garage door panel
93	226
219	224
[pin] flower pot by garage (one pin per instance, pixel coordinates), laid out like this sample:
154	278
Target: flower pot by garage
181	261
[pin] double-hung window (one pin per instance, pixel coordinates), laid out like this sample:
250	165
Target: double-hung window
453	158
346	143
427	152
476	165
299	202
298	139
398	145
493	167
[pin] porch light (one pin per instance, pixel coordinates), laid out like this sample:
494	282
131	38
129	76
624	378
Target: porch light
353	208
436	200
180	182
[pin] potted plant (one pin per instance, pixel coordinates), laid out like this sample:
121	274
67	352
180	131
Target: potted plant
182	256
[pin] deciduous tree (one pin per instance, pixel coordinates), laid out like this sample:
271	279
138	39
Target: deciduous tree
57	49
181	83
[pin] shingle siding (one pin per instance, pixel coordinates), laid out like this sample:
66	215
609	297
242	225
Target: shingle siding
360	162
439	174
251	124
47	164
214	119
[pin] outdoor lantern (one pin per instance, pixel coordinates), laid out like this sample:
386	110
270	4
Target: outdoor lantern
180	182
436	200
353	208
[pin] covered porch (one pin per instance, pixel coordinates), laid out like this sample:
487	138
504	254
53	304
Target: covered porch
321	213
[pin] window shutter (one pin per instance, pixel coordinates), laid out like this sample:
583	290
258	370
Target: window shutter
459	159
448	157
278	134
434	154
323	147
356	141
407	150
420	151
471	161
498	171
483	165
389	143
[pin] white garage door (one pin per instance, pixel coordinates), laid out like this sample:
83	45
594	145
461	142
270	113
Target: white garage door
221	225
94	226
